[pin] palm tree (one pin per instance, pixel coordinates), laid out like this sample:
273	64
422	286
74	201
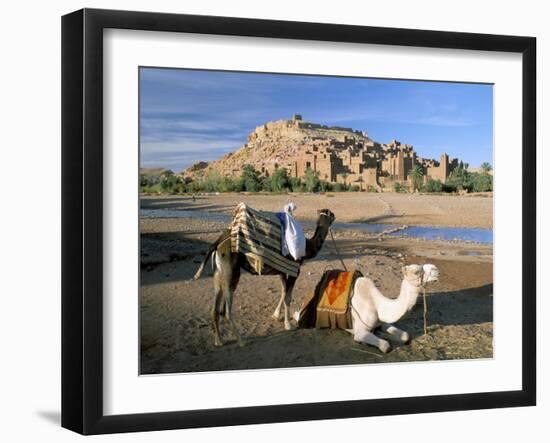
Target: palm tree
416	176
486	167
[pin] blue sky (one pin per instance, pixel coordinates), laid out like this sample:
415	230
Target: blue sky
188	116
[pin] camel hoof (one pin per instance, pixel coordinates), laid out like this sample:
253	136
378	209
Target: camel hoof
277	315
218	343
289	327
385	347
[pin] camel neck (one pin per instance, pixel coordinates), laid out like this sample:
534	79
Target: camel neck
315	243
408	295
390	311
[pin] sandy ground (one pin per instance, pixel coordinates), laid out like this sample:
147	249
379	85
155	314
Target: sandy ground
176	334
413	209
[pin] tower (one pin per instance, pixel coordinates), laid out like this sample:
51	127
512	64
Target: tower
444	165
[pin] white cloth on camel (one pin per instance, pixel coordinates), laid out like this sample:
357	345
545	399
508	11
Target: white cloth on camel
294	239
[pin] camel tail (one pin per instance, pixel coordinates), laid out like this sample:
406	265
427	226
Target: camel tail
201	267
209	253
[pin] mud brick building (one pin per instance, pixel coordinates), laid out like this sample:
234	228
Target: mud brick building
338	154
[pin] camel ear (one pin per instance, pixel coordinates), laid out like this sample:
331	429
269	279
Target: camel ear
403	270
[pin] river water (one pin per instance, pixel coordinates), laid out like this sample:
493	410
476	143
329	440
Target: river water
477	235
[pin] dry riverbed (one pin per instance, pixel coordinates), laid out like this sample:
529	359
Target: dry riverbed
351	207
176	335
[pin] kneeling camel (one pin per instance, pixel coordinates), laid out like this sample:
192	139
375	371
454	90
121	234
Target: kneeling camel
370	309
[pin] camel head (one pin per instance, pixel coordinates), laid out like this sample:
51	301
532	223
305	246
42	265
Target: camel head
325	217
431	273
421	274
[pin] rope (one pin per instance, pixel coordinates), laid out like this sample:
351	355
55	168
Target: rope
358	315
425	311
337	252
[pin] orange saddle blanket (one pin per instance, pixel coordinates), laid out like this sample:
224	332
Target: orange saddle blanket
328	305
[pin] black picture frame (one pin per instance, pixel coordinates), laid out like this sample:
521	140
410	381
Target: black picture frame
82	218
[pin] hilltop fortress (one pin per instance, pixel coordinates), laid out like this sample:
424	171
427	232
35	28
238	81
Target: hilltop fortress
339	155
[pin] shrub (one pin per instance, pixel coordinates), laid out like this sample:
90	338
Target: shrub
250	180
296	184
460	179
482	182
194	186
311	180
325	186
433	186
230	184
278	181
168	182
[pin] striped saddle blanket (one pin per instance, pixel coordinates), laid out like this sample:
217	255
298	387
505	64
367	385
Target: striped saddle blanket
258	235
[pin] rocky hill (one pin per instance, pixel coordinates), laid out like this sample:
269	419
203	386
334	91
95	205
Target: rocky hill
335	154
275	144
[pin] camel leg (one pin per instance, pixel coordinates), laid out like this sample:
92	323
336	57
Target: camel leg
228	294
228	264
226	279
396	333
289	286
217	310
277	313
364	336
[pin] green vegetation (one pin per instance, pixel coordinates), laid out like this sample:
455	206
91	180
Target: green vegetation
398	187
296	184
482	182
163	182
279	181
463	180
311	181
433	186
416	175
250	180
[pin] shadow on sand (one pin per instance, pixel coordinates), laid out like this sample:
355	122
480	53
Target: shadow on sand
471	306
187	204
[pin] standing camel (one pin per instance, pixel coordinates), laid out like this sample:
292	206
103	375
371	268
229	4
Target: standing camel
227	271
